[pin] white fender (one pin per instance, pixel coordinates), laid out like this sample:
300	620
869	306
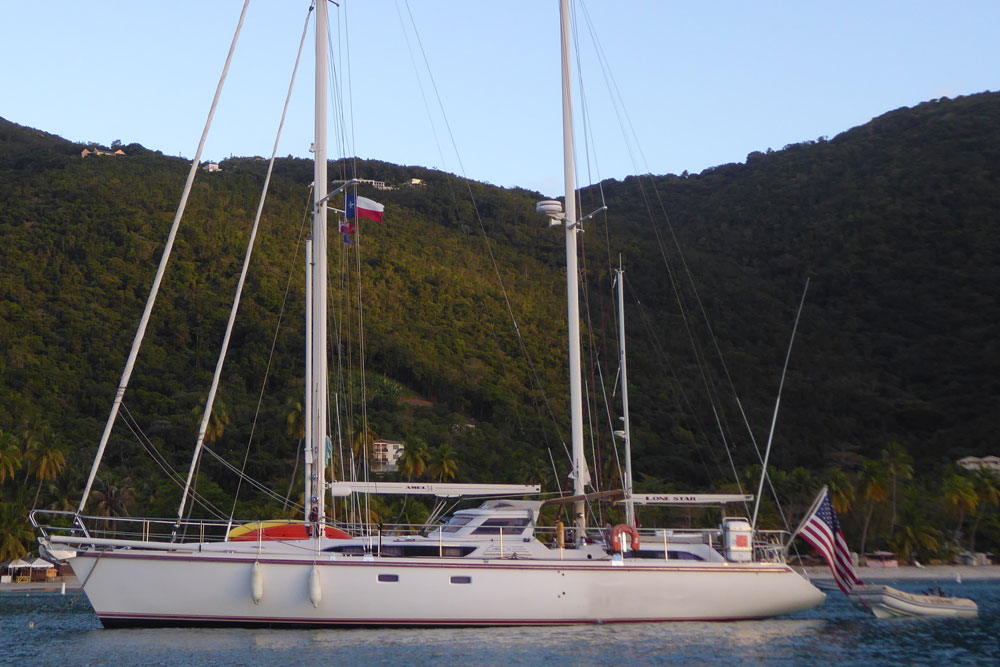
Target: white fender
256	582
315	587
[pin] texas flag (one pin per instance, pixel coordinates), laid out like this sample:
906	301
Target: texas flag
362	207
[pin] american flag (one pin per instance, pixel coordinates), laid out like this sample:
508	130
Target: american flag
822	530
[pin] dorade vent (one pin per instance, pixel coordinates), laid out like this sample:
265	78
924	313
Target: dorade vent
388	578
461	580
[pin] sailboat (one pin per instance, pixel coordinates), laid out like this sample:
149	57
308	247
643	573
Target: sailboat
492	565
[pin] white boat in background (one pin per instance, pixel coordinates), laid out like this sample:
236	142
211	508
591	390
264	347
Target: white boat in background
887	602
492	565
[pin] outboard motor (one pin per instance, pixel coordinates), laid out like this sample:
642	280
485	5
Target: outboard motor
738	540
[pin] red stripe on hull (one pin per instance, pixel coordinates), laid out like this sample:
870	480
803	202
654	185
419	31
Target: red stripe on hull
124	620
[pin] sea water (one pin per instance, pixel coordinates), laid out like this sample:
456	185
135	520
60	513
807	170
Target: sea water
63	630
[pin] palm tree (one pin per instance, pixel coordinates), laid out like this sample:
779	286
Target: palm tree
114	497
535	471
412	514
915	533
217	422
15	531
371	511
61	492
899	465
10	456
363	445
443	464
801	487
987	486
295	421
48	458
30	439
841	492
874	489
960	497
295	426
413	461
383	393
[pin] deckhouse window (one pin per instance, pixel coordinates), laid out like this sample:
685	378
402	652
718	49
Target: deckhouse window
461	580
509	526
456	522
388	578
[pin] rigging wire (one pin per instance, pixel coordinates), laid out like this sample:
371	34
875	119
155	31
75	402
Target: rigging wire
444	162
533	373
263	488
663	358
133	425
288	282
243	274
209	403
168	247
629	135
343	327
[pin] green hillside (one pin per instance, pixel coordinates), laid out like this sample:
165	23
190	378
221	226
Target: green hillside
895	223
892	222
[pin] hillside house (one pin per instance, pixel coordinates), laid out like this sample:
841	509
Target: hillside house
386	455
991	463
86	152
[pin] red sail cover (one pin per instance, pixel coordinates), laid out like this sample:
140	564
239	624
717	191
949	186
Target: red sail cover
280	532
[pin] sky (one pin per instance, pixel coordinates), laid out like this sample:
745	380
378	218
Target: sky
472	87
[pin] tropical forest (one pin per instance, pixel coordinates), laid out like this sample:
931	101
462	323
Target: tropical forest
832	306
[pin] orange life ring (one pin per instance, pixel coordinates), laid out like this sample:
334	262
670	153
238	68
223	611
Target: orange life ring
620	529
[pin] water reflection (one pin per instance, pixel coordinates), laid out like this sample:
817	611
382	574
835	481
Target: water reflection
834	633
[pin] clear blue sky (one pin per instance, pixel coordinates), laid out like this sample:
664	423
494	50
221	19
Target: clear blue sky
702	83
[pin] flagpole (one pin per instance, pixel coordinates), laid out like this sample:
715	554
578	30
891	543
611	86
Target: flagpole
808	515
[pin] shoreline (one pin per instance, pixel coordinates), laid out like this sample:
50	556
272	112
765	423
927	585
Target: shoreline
955	573
36	587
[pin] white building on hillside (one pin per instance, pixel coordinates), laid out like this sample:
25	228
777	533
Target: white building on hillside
386	455
991	463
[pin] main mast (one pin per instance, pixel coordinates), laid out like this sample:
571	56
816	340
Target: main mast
318	306
580	474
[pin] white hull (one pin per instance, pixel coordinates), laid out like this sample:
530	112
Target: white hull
887	602
168	588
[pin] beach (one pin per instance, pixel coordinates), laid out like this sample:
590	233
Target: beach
910	573
27	588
